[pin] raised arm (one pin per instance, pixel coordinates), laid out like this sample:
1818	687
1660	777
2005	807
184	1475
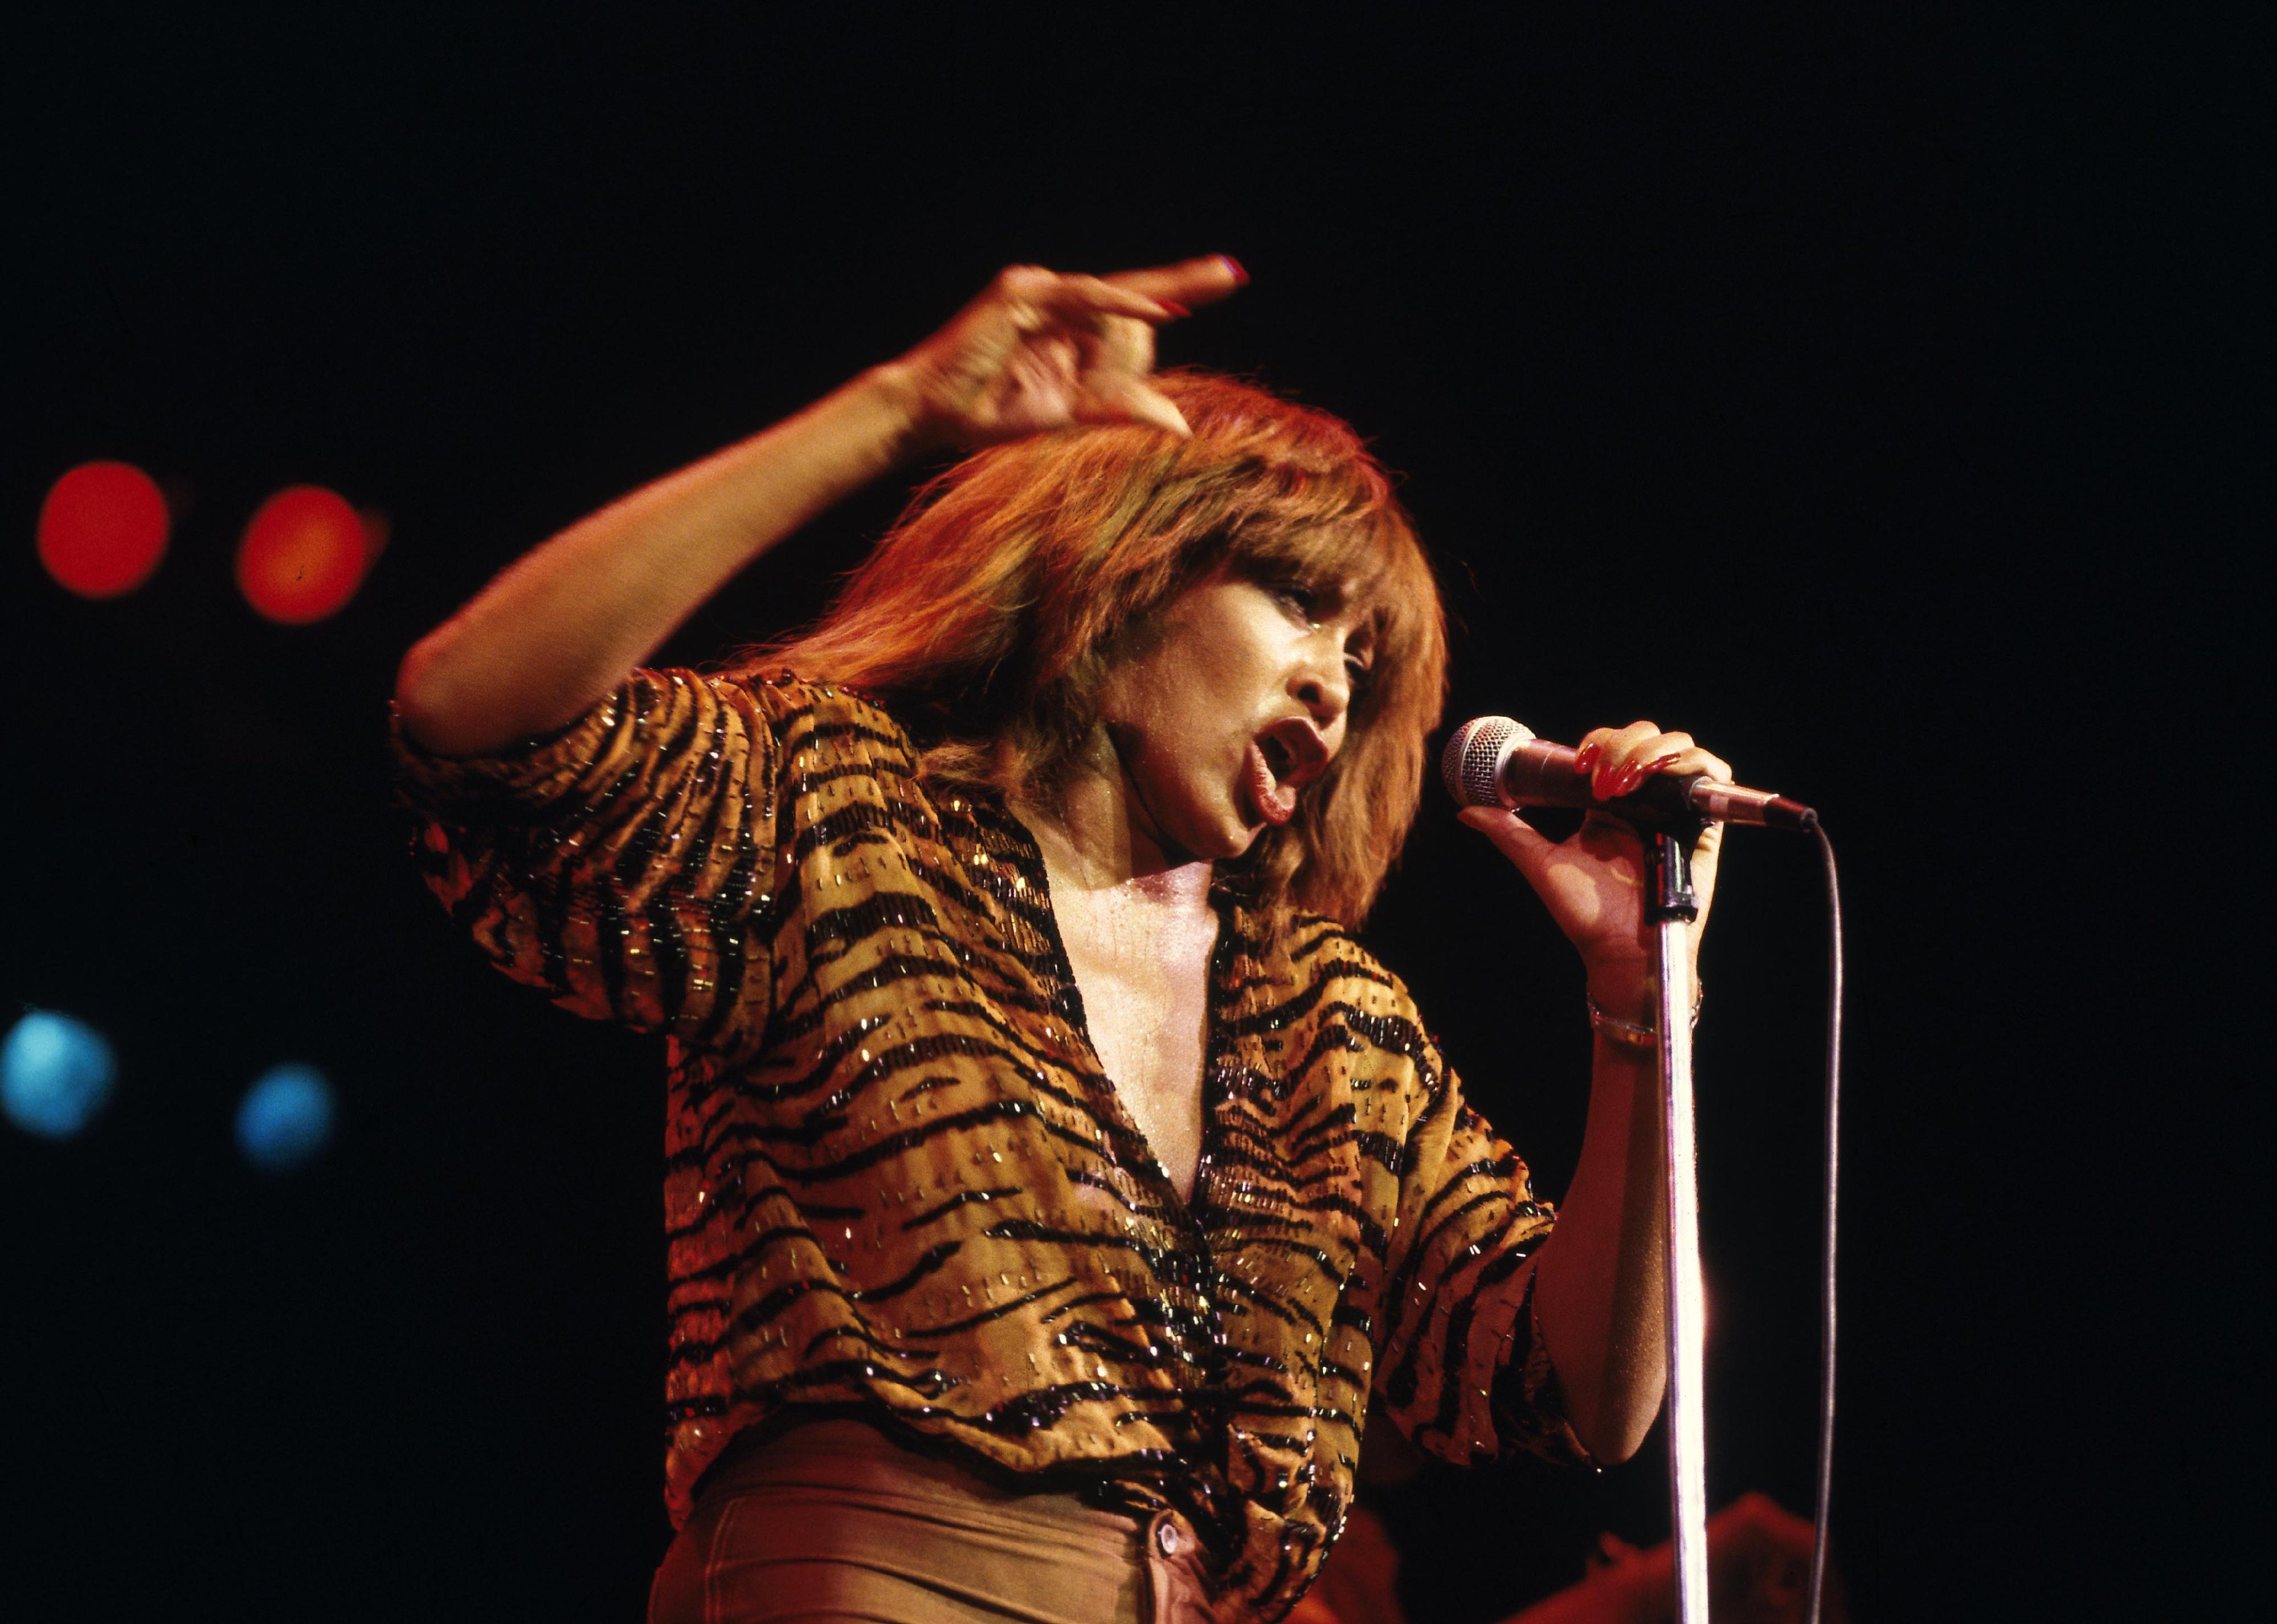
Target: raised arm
558	629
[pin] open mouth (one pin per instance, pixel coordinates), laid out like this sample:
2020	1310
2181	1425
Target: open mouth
1281	760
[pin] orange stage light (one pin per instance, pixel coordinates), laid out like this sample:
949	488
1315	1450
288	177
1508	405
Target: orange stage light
102	529
303	555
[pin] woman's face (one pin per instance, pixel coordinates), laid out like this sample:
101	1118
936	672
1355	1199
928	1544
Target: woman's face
1234	699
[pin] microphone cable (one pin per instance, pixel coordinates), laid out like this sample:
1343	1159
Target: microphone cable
1826	1325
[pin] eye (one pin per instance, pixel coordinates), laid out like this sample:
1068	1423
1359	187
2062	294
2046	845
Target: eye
1302	602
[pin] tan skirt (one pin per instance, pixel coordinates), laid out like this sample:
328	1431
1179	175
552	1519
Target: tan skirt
832	1523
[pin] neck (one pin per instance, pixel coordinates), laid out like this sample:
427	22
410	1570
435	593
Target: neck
1093	839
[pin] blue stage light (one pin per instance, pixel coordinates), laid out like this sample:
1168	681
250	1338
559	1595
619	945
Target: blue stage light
286	1118
55	1074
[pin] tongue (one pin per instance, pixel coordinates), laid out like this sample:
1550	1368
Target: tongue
1272	800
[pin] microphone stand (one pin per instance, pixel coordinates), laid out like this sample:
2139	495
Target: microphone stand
1670	905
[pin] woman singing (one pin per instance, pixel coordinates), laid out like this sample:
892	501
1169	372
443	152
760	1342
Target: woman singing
1052	1177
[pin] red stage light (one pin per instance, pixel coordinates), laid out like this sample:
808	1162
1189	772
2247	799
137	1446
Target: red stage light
303	555
102	529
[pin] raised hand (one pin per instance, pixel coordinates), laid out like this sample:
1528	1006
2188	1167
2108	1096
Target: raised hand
1038	350
1593	883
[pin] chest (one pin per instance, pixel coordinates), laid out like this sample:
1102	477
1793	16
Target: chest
1141	966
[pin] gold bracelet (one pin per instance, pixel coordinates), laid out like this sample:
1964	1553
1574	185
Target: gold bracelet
1628	1035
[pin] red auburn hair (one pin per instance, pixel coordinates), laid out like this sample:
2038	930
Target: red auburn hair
992	610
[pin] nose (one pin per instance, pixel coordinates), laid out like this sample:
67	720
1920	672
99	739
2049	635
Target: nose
1323	687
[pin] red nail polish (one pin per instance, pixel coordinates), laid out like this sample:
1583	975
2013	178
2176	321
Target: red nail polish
1584	758
1240	276
1177	311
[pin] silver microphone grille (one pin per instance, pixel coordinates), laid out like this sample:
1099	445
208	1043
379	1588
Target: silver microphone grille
1471	762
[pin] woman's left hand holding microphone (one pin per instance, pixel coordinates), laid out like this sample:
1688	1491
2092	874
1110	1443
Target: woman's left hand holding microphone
1593	882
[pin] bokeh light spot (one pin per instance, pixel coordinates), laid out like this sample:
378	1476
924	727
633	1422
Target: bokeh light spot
286	1118
102	529
56	1074
303	555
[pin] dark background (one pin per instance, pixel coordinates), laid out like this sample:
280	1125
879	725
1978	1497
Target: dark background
1873	390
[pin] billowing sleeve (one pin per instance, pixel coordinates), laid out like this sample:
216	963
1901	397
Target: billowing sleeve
618	865
1464	1371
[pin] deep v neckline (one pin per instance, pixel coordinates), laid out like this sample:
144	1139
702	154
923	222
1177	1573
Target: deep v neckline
1066	996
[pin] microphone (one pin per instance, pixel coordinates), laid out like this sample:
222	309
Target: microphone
1494	761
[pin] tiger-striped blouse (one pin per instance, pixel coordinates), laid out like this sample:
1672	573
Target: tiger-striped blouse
897	1183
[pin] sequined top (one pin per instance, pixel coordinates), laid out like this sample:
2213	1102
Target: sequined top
897	1183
